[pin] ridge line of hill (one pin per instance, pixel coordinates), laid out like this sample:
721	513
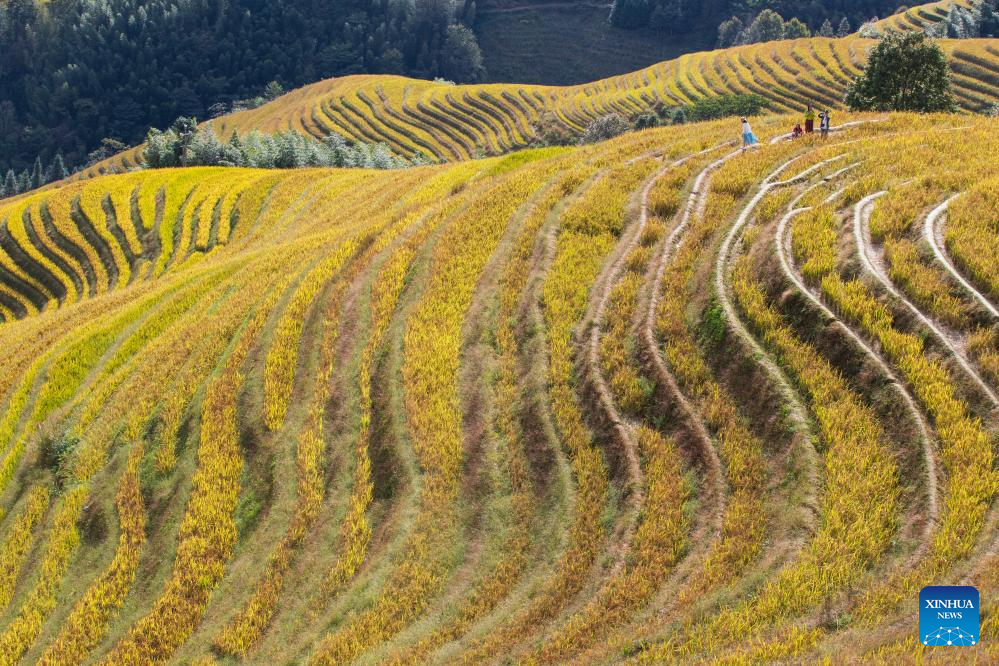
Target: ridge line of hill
466	121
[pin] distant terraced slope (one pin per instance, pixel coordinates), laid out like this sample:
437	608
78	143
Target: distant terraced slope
564	42
921	17
458	122
652	400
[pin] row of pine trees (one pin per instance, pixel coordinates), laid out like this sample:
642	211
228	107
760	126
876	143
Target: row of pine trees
184	144
29	180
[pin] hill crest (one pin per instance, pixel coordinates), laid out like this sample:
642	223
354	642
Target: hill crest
450	122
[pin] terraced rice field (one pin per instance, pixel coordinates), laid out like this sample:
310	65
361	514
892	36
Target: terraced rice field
651	400
922	15
450	123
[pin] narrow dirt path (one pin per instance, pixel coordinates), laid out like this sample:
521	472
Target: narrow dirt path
797	413
551	468
838	128
726	256
711	499
873	263
609	418
785	255
933	232
782	242
621	427
696	206
706	453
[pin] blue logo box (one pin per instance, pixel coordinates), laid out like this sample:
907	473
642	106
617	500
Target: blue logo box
948	615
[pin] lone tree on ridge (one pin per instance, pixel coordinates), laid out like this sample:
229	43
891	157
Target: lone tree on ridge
905	72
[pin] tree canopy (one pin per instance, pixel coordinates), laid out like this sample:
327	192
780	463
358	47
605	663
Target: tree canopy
905	72
184	144
73	72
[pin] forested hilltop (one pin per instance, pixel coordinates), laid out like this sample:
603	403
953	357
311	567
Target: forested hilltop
74	72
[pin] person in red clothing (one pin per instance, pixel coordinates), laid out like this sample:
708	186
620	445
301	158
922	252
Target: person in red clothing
797	131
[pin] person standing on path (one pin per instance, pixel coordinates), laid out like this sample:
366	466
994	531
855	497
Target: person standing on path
809	119
748	138
824	123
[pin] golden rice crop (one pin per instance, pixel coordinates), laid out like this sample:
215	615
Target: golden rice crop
87	623
246	628
964	447
207	534
328	415
15	548
971	235
510	399
430	371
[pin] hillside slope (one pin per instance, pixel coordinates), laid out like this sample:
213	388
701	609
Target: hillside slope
457	122
563	43
655	399
922	16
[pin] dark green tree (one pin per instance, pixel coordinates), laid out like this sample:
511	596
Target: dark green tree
8	187
826	29
990	18
284	150
729	32
469	14
185	129
905	72
58	170
107	148
766	27
37	178
461	59
844	28
273	90
73	72
670	16
795	29
392	62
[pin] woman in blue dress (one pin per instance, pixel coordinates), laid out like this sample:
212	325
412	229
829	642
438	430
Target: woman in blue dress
748	138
